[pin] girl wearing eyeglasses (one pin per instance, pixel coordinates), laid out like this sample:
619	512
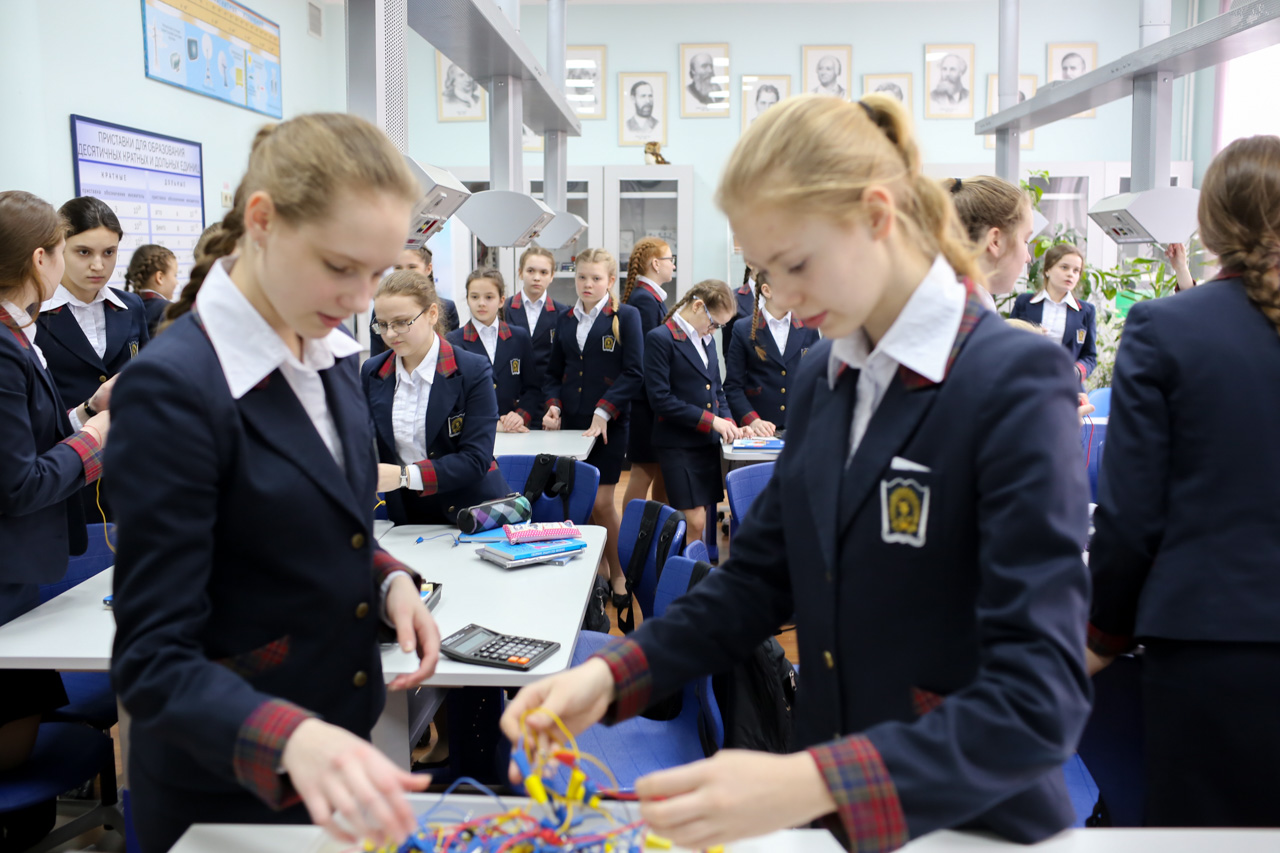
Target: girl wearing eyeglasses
434	409
682	377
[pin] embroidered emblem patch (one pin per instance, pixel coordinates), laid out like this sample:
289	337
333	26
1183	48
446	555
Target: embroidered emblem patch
904	512
552	337
804	352
133	349
455	426
515	367
609	343
1080	336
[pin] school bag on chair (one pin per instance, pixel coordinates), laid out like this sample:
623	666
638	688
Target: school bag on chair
551	476
640	554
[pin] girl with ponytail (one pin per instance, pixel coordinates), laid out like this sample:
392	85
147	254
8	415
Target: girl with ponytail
1188	517
924	524
652	265
253	679
764	357
998	218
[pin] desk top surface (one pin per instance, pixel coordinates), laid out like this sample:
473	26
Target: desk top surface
558	442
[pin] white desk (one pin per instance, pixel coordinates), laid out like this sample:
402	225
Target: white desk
557	442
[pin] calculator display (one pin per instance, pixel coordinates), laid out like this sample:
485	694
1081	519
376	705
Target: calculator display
475	641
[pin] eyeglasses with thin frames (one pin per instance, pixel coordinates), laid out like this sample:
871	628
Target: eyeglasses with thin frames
397	326
710	319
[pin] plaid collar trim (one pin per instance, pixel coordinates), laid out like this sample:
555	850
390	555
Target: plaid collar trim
471	335
12	325
607	308
676	331
517	301
148	295
795	322
973	311
746	290
388	366
649	287
446	364
504	331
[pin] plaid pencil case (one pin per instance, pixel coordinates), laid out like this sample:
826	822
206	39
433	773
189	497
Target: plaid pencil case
513	509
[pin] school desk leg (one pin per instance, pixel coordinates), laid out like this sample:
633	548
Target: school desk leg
391	732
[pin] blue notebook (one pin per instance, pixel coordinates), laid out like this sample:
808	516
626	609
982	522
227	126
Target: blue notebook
759	445
509	556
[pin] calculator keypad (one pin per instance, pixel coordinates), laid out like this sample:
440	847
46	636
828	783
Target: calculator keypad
511	651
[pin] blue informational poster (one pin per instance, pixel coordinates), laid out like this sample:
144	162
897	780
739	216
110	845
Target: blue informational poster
154	184
217	48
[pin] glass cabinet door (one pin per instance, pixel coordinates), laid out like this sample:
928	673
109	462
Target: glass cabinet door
651	201
576	202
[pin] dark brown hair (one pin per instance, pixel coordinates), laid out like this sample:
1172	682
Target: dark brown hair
1051	258
86	213
146	262
535	252
27	223
1240	217
493	275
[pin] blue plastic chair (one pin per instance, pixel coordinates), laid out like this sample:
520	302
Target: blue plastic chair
640	746
66	756
697	551
586	482
1095	469
627	533
1101	399
1112	744
743	485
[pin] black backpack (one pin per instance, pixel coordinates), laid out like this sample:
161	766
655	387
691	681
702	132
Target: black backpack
551	476
640	552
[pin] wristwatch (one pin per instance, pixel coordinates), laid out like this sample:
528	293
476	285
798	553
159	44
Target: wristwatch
404	476
89	410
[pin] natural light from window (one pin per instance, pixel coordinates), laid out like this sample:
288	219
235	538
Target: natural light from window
1250	96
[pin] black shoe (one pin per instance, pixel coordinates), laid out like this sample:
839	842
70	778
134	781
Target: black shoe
621	600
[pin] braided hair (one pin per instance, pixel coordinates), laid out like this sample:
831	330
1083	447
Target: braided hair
146	262
755	317
641	255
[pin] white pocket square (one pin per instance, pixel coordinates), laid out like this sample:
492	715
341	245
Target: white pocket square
900	464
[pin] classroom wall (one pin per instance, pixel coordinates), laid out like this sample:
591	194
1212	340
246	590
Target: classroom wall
766	38
86	57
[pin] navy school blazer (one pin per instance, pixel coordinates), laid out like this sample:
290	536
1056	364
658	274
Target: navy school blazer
247	580
745	298
653	312
77	370
758	389
155	306
544	333
516	379
448	322
938	584
685	395
1188	521
607	373
1080	336
43	466
462	419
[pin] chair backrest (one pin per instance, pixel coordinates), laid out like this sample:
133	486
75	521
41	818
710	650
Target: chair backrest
697	551
97	557
1101	400
1095	468
586	481
673	584
627	533
743	484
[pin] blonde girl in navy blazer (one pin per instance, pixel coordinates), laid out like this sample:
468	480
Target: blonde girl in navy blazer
249	586
998	219
1063	265
924	524
652	265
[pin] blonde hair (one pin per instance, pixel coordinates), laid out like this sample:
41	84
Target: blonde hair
985	202
304	164
603	256
1240	220
417	287
641	254
761	281
713	292
817	155
1025	325
535	252
493	275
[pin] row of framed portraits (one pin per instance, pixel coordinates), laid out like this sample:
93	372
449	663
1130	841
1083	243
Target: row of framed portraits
704	85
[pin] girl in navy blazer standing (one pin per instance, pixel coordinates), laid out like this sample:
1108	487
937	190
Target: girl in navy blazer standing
924	524
682	377
153	275
763	359
1058	312
1184	559
434	409
248	582
596	370
531	308
508	349
745	297
651	265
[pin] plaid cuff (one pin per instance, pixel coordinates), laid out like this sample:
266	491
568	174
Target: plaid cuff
705	422
555	401
384	565
749	418
90	453
1082	370
1107	645
924	701
525	416
429	484
632	682
866	799
613	410
259	747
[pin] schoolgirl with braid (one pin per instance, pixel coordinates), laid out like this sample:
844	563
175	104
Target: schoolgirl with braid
763	360
1184	560
745	297
682	378
652	265
153	275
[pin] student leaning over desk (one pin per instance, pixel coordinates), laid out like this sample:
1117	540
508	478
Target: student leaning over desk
924	524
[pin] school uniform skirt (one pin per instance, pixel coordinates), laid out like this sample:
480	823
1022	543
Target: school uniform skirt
607	458
640	449
692	475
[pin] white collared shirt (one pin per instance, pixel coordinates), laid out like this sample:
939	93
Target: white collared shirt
920	340
1054	318
699	341
249	350
409	411
488	337
90	316
662	294
780	329
533	310
586	321
28	327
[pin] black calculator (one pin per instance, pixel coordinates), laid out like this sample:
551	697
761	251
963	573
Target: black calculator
474	644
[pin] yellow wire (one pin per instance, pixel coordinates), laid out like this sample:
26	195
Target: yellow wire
97	497
613	779
378	504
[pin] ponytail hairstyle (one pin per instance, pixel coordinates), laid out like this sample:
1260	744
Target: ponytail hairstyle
746	275
86	213
146	262
755	318
493	275
985	202
713	293
27	223
535	252
1240	219
641	255
817	155
304	164
1051	258
604	256
417	287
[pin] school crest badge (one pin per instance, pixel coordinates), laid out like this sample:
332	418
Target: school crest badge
804	352
455	426
609	343
133	349
904	512
1080	336
515	367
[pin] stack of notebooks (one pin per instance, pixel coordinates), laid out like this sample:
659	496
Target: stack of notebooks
531	544
758	445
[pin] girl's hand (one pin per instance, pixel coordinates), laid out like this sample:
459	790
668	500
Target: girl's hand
734	794
1095	663
98	426
511	422
551	420
1177	256
101	399
388	477
337	773
1086	408
415	630
728	432
579	697
599	426
762	428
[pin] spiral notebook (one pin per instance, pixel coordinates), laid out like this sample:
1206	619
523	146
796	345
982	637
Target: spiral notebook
541	531
530	553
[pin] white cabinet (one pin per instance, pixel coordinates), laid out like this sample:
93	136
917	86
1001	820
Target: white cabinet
651	201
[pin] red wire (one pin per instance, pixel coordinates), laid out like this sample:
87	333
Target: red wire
1088	450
